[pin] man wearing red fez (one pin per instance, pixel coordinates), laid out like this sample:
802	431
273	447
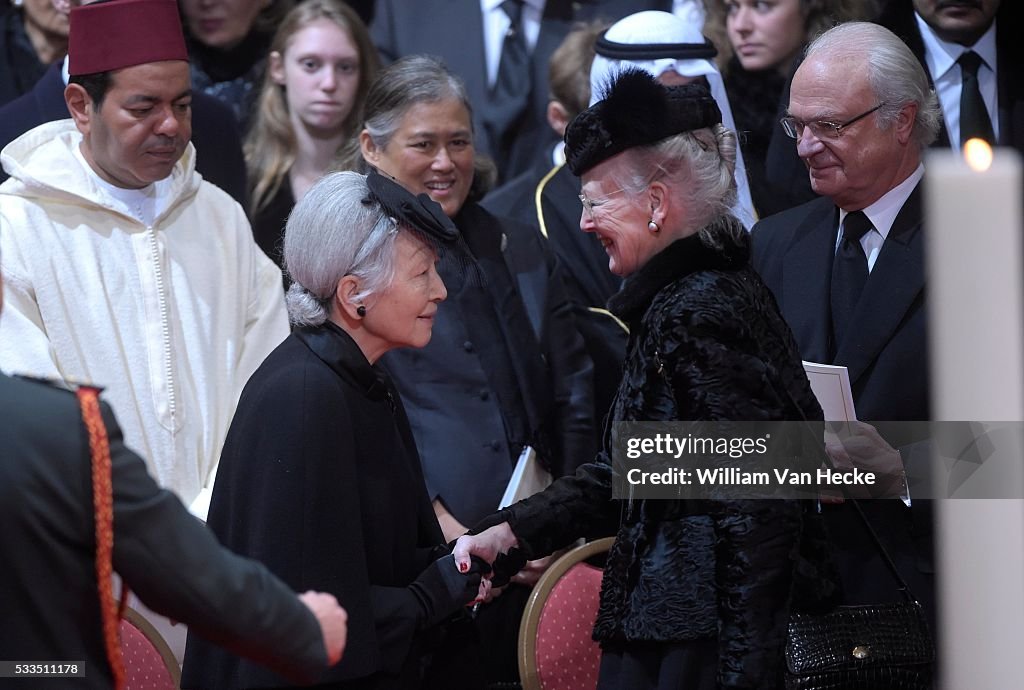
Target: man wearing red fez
214	126
123	266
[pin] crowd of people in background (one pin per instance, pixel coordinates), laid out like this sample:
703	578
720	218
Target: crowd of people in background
340	264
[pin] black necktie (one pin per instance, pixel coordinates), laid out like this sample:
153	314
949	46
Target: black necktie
514	68
849	274
974	119
511	90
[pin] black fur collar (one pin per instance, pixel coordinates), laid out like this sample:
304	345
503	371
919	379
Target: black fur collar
678	260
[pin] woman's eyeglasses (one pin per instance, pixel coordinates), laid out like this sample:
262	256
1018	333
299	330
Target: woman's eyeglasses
590	204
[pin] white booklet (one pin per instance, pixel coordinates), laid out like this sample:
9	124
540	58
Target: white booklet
528	478
831	386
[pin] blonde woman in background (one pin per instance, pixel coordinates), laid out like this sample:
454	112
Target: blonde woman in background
320	66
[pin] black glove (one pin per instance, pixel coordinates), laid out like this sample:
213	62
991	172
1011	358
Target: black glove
441	589
506	565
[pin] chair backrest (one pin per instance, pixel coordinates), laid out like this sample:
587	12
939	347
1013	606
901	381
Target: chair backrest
556	651
148	660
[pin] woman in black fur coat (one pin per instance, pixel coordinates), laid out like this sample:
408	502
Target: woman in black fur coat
696	594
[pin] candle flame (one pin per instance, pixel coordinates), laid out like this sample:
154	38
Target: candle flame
978	154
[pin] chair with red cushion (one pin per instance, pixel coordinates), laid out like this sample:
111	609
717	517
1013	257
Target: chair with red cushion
556	651
149	663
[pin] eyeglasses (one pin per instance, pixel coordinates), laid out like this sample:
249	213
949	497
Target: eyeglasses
822	129
590	204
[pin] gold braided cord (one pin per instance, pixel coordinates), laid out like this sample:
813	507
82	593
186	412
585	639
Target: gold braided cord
103	500
538	193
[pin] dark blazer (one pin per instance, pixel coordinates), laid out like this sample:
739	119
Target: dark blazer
778	177
168	558
453	31
887	357
886	353
319	479
547	197
898	17
268	226
219	156
456	407
20	67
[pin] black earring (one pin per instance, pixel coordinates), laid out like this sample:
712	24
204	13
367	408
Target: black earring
361	310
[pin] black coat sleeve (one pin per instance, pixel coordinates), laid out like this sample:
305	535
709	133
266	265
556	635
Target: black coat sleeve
578	505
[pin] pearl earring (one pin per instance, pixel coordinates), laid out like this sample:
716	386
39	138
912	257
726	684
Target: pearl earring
361	310
653	227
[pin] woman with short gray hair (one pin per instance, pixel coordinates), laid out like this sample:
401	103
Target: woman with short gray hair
319	251
319	478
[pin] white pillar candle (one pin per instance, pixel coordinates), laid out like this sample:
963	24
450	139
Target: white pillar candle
976	313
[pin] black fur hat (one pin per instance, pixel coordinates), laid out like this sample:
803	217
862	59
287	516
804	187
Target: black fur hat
636	110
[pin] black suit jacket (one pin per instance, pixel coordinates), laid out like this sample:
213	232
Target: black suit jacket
886	352
19	65
455	405
453	31
48	583
547	197
887	357
898	17
215	135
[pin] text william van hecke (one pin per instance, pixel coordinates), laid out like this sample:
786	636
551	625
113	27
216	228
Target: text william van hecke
731	476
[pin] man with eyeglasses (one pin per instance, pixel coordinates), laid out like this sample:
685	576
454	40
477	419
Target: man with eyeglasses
848	272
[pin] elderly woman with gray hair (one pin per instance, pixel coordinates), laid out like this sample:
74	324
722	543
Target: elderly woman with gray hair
506	371
319	477
695	592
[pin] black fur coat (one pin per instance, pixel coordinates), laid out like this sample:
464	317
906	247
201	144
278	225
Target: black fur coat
707	342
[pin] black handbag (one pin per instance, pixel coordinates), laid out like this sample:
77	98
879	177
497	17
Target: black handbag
867	647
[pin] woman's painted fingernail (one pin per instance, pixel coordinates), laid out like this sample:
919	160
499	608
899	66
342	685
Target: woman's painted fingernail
463	567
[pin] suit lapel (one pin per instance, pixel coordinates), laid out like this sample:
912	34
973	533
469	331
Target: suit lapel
806	279
895	283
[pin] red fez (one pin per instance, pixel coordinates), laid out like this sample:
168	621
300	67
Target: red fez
106	36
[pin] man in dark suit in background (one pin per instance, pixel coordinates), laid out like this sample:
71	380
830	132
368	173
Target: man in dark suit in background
509	101
848	269
547	197
50	589
963	45
215	133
